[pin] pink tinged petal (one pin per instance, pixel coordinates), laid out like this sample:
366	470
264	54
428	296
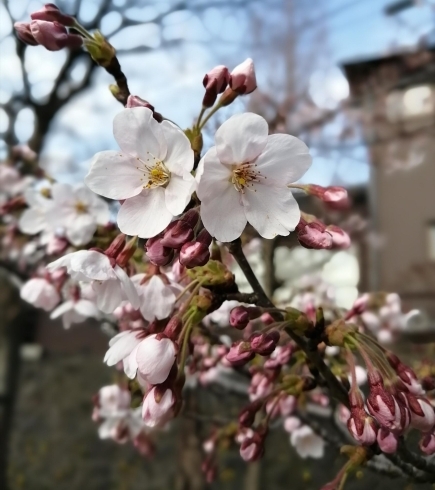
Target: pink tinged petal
130	364
158	300
138	134
179	156
222	214
40	293
284	160
145	215
115	175
128	287
179	192
81	230
121	346
155	358
109	294
271	211
210	172
32	221
241	138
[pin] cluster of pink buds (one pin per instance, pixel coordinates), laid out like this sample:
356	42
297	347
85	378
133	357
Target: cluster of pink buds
243	351
241	81
179	237
314	234
48	28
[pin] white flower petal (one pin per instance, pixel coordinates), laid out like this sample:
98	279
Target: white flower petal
145	215
62	194
241	138
81	230
86	308
210	170
179	192
62	309
138	133
121	346
130	363
284	160
115	175
32	221
109	294
93	264
271	211
128	287
179	156
155	358
222	212
158	299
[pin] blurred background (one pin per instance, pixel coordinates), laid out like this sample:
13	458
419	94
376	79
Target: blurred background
354	79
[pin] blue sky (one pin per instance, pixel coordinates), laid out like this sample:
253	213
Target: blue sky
171	80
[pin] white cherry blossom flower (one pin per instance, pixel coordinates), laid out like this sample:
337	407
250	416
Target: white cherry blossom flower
244	178
157	413
40	293
307	443
110	283
78	211
151	172
75	311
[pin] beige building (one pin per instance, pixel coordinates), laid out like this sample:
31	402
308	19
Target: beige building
395	98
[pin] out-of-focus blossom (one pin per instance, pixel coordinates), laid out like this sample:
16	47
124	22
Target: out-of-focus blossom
40	293
75	311
307	443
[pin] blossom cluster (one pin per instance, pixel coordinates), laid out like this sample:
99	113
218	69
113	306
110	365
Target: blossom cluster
162	275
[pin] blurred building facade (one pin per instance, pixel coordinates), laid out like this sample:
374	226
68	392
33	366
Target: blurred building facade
395	96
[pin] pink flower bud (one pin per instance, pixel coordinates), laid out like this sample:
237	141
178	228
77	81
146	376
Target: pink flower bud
51	13
387	441
359	307
332	194
144	445
427	443
252	448
127	252
386	408
157	253
173	328
314	235
422	412
115	248
240	353
264	344
177	234
136	101
242	78
54	36
406	375
215	82
24	33
155	357
241	315
340	239
248	413
361	426
157	408
194	254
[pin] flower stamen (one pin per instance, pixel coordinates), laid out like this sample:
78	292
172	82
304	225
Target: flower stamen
244	176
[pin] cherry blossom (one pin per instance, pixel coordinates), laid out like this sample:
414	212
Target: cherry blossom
78	211
307	443
110	283
40	293
34	219
151	172
75	311
157	408
244	179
